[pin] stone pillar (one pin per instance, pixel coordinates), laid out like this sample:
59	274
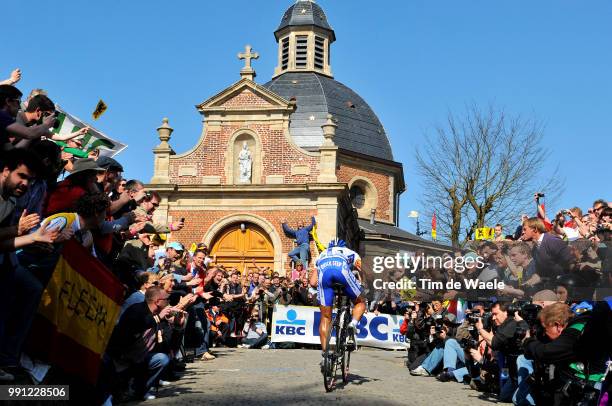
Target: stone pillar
327	165
162	152
327	218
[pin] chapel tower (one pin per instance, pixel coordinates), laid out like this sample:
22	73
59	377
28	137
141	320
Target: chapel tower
304	38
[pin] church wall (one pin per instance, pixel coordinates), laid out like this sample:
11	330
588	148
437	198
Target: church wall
380	180
278	157
197	223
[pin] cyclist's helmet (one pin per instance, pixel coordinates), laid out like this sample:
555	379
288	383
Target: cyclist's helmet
336	243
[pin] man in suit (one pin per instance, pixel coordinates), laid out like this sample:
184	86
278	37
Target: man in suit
551	254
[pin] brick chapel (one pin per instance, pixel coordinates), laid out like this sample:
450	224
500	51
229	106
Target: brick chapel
300	145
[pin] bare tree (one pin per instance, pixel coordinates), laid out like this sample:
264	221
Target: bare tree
482	169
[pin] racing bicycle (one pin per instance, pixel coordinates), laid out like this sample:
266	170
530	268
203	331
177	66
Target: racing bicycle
339	356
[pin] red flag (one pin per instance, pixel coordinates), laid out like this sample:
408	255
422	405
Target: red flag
433	227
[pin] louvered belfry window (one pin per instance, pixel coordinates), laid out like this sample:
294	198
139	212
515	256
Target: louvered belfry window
285	53
301	51
319	53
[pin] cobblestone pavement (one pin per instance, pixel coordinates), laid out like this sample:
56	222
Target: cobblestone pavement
281	377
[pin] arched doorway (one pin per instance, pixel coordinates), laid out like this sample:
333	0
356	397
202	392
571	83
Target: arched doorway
237	248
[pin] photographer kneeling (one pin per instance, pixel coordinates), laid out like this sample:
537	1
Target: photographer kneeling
447	351
570	360
254	331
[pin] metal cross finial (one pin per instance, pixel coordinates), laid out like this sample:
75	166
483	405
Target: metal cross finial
247	55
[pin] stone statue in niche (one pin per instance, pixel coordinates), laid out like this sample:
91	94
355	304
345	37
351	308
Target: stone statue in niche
246	162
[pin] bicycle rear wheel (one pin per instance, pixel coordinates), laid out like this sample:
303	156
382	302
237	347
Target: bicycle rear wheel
329	362
345	353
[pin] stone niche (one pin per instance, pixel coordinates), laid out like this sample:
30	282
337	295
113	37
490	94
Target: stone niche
236	145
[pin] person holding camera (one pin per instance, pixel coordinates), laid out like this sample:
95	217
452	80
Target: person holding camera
413	333
146	208
131	352
447	350
570	359
255	332
10	129
503	341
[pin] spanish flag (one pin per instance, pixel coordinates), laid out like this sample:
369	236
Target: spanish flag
77	313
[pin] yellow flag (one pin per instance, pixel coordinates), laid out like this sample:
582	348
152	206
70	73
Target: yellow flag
484	233
100	109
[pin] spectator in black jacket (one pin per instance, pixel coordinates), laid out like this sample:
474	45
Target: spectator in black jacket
134	339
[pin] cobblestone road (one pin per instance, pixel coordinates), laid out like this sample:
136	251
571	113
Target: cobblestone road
281	377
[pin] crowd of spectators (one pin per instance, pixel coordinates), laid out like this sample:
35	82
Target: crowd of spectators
552	311
526	353
179	304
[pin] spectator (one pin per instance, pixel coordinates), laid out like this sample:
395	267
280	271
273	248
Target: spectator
39	107
146	280
131	346
146	208
219	324
520	255
255	332
499	233
551	255
108	180
45	181
301	253
10	103
81	181
14	78
127	196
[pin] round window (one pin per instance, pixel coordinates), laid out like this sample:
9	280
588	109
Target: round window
357	197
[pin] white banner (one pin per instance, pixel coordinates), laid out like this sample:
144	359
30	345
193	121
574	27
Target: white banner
92	140
300	324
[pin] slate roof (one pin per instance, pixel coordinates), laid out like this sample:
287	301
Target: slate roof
359	129
396	233
304	12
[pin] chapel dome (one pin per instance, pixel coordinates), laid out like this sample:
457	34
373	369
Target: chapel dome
304	13
359	129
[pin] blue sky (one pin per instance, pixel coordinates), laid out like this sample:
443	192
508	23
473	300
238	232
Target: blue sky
412	61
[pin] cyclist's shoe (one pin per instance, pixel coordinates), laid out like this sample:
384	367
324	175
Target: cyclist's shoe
351	344
322	363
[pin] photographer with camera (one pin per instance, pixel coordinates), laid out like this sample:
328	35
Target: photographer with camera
255	332
570	357
414	333
447	350
504	342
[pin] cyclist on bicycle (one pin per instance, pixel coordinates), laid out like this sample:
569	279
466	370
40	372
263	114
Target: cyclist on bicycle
335	265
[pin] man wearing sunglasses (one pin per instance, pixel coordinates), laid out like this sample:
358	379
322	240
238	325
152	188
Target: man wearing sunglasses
146	207
10	104
132	352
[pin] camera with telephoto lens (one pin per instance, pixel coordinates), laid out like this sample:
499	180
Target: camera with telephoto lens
539	194
529	313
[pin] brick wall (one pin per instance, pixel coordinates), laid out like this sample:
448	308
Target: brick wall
197	223
277	156
246	98
379	179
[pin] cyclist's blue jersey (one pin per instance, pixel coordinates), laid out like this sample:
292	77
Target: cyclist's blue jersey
334	265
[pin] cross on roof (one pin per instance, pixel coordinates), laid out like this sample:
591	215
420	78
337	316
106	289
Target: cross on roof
247	55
